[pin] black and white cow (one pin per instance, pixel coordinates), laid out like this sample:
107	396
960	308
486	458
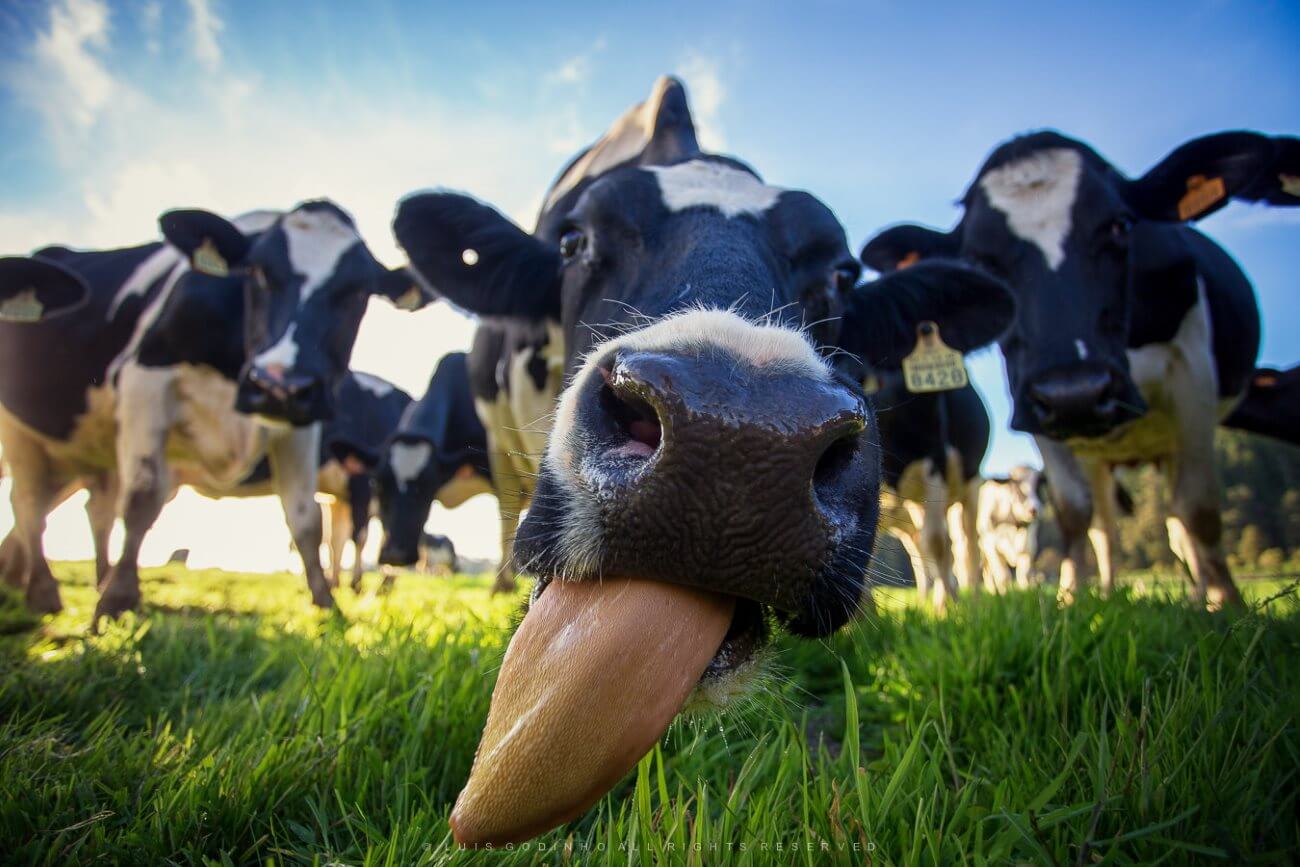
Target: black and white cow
145	374
437	451
932	446
367	409
1134	333
437	555
1010	509
1271	405
700	438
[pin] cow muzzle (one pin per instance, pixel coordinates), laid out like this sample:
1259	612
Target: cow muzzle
283	395
1077	402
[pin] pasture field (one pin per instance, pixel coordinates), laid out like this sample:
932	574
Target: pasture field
233	725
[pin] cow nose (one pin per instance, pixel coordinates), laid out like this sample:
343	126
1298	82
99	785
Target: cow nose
277	392
708	461
1078	402
393	554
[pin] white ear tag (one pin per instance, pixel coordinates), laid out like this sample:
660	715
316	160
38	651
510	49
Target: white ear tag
1290	184
23	307
933	365
206	260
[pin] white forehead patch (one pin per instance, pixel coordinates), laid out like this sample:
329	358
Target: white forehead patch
625	140
408	460
702	183
1037	195
317	240
373	384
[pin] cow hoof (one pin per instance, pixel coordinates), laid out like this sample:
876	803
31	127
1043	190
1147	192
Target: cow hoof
43	598
322	599
114	603
356	586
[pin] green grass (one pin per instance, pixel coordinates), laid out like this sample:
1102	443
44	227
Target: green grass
234	725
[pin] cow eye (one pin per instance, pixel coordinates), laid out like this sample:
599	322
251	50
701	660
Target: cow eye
571	243
844	279
1120	227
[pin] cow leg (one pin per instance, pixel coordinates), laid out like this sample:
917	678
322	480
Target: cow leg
510	502
919	571
294	455
337	520
33	495
1195	532
360	533
969	530
146	411
13	560
1104	531
936	544
1072	503
1027	553
101	511
999	577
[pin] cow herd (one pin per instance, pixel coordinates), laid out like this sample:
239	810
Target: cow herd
679	376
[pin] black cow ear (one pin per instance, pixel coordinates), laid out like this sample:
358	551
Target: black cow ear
478	259
1201	176
971	308
1279	184
400	286
35	289
213	244
906	244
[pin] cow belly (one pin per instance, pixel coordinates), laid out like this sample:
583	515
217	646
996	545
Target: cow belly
461	488
90	447
211	446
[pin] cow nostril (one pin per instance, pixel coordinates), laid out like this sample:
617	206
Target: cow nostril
638	429
833	464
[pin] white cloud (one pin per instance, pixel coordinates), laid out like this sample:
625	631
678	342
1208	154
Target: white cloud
706	91
205	25
64	78
576	70
151	24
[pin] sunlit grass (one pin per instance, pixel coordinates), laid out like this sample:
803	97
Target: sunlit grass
234	724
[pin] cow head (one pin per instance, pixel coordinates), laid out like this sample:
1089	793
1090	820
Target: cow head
1061	226
702	439
1024	490
306	280
36	290
408	477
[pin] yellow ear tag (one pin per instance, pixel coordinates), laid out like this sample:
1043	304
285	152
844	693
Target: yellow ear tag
23	307
207	260
933	365
871	383
1202	192
1290	184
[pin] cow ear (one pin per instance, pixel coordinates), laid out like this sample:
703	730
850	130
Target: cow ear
400	286
1279	184
35	289
213	244
971	308
476	258
1201	176
906	244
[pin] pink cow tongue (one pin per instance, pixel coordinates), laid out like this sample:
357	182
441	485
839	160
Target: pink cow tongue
592	678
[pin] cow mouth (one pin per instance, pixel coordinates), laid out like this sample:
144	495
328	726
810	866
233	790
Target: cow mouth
593	677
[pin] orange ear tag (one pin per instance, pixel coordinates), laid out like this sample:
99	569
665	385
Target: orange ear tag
1202	192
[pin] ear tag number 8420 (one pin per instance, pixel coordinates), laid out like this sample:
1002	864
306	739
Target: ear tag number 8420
933	365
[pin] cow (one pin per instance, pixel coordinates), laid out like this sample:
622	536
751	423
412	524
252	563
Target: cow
437	451
367	411
152	367
1271	405
1134	333
932	446
437	554
35	290
700	442
1009	512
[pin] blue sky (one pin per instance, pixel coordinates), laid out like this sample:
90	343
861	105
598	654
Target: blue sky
112	112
